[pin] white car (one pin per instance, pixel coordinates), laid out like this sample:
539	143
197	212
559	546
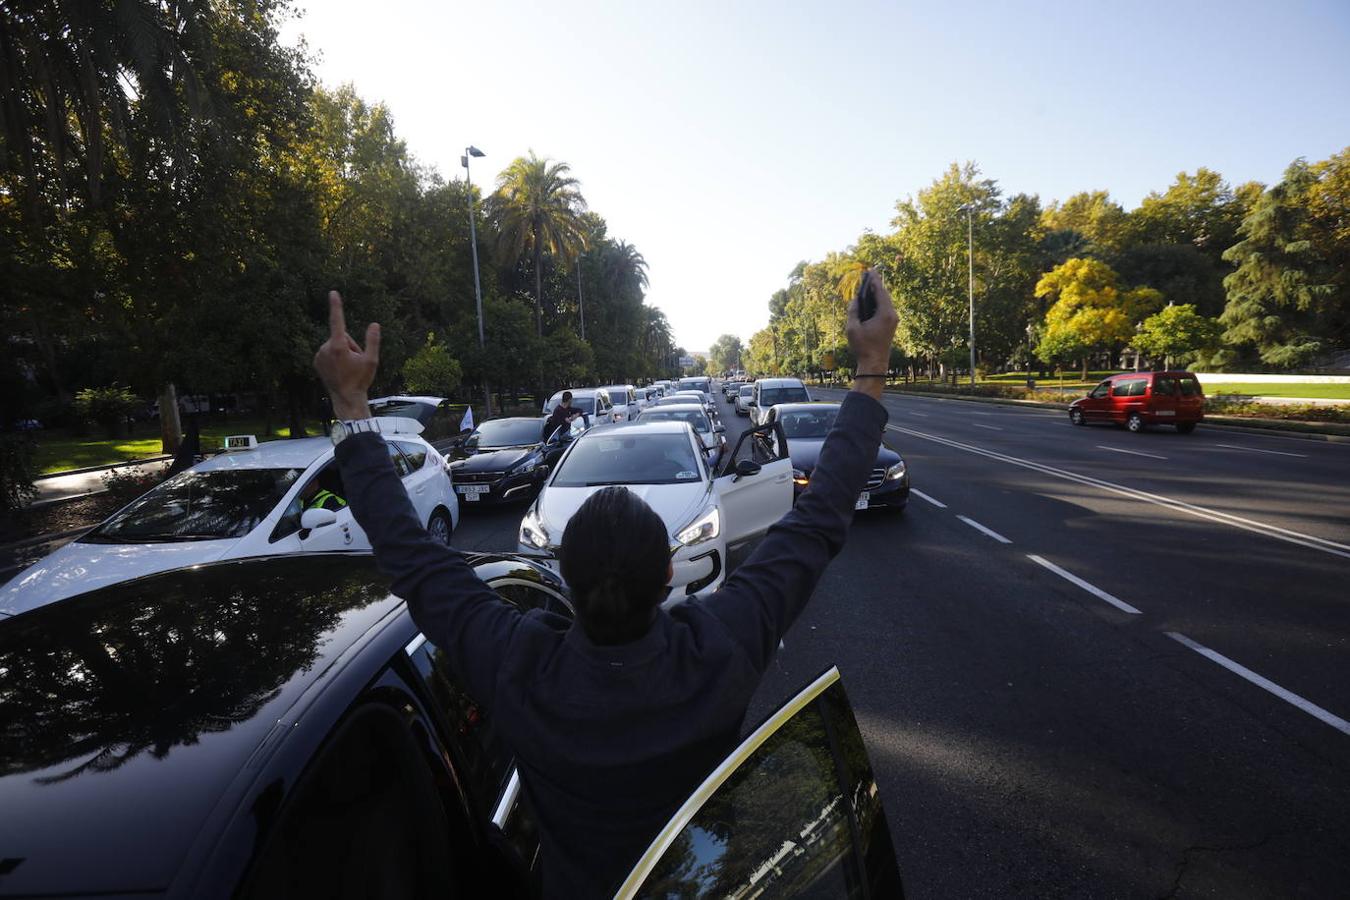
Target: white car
706	512
625	400
771	391
251	501
742	399
594	403
712	435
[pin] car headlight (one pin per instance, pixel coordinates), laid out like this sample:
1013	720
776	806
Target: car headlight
896	471
704	528
532	531
525	467
799	477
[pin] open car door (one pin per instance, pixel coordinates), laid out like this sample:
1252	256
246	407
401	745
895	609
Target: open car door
754	489
792	812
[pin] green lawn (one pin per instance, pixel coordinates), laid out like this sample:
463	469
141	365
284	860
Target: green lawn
57	451
1314	391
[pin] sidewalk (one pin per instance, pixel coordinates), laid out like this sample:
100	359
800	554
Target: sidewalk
82	482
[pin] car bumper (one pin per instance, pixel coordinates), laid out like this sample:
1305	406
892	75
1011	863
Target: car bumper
892	494
511	489
698	570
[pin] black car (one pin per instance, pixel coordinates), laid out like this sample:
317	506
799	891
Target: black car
505	460
277	727
806	425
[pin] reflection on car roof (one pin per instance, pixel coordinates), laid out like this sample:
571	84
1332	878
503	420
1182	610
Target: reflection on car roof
296	454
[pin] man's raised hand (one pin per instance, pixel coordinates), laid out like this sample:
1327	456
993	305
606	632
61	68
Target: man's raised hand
346	369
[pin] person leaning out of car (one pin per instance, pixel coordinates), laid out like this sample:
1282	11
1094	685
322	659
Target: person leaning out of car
562	414
616	718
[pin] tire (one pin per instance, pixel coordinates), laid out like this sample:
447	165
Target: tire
1076	417
440	527
1185	427
1135	423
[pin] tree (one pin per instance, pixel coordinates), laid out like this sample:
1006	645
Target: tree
1288	301
432	370
1091	308
1199	210
725	353
1092	214
537	209
1177	333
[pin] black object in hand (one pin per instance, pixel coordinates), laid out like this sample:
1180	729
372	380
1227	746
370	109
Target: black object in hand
866	297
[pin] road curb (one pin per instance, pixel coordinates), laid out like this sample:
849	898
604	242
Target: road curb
87	469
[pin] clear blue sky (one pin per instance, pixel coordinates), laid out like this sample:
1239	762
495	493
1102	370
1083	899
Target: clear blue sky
729	140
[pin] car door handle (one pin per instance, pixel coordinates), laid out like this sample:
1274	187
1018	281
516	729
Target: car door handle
780	479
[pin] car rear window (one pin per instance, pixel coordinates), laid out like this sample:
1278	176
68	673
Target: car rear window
1190	387
221	503
695	417
772	396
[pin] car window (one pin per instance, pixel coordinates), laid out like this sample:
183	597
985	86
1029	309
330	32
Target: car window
1190	387
395	457
695	417
329	479
779	826
616	457
773	396
748	390
1131	387
1164	387
505	433
808	423
196	505
1101	390
415	454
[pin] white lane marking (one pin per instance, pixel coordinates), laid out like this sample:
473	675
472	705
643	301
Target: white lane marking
918	493
1259	450
1213	515
919	414
1090	588
990	427
1131	452
1262	682
978	527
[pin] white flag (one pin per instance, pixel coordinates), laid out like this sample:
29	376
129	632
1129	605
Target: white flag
466	423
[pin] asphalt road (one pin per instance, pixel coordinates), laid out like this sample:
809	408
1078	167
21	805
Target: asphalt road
1034	739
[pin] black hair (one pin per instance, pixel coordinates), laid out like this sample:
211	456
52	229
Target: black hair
615	557
567	397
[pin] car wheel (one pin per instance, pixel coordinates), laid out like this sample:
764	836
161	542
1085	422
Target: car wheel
1076	417
1185	427
1135	423
439	526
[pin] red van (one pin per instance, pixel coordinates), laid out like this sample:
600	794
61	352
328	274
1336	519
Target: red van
1137	399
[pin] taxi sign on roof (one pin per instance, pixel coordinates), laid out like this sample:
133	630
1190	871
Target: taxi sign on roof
241	442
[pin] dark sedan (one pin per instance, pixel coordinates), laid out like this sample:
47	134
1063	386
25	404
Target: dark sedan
505	460
277	727
806	424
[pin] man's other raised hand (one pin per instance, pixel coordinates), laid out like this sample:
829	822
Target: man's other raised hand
345	369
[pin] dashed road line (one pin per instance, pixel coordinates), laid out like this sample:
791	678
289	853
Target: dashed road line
1273	531
1262	682
989	531
919	414
990	427
1131	452
921	495
1087	586
1259	450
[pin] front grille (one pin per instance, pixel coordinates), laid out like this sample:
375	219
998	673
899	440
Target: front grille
877	479
476	477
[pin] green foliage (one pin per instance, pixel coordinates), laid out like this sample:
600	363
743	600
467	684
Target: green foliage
106	406
432	370
1090	310
17	471
1177	334
725	353
129	482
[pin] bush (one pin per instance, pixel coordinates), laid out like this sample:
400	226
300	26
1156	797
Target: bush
17	471
106	406
126	483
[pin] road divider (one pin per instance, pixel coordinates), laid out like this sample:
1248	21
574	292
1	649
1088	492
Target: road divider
1087	586
1131	452
1312	542
1262	682
978	527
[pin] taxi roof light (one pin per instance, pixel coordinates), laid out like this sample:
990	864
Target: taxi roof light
241	442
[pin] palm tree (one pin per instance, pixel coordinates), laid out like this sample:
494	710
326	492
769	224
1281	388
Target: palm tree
625	269
538	209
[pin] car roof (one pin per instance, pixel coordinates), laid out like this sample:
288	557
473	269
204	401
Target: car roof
120	753
512	419
409	398
285	454
674	407
641	427
576	392
779	382
815	404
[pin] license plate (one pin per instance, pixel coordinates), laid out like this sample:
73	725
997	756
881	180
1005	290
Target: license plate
472	489
473	498
862	501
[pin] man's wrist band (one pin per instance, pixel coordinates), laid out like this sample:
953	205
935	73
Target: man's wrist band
856	377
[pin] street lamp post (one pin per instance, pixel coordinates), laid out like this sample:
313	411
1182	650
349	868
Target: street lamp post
472	151
969	209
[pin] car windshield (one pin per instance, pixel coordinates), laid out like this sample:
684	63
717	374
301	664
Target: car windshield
616	457
747	390
808	423
584	405
619	395
772	396
695	417
194	506
1190	387
506	433
422	412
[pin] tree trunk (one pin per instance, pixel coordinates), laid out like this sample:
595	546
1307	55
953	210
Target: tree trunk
538	285
295	411
1085	368
170	428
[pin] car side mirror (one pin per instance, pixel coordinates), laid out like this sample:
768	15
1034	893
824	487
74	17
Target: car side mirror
311	519
747	467
719	428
